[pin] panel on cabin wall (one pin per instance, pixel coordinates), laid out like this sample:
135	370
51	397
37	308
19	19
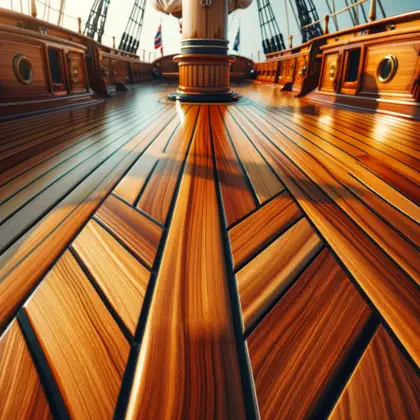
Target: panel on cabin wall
107	63
327	81
301	65
287	68
77	72
10	86
122	69
402	83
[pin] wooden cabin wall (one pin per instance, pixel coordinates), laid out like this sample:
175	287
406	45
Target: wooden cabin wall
84	62
394	39
167	67
296	69
40	54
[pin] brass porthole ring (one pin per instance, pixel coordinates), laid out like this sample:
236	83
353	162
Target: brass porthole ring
333	71
387	68
23	69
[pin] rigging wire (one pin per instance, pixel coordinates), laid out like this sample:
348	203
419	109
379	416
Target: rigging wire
332	11
294	14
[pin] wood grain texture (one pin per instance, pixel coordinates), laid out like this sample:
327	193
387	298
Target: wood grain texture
404	185
139	233
237	197
157	196
131	185
257	230
188	365
297	348
262	280
16	225
23	264
263	179
22	395
83	345
387	285
384	385
122	279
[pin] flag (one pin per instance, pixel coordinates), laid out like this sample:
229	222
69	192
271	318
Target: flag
237	40
158	38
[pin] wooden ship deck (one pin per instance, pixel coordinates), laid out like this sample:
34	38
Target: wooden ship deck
149	250
247	259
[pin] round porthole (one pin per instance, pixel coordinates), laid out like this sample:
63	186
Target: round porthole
23	69
333	71
75	73
387	68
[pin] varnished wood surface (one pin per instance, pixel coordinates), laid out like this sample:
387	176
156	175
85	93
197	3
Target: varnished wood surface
120	276
263	279
384	385
22	395
136	231
190	309
270	184
297	348
82	343
252	234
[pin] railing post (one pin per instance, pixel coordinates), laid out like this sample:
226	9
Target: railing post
113	42
33	8
372	11
290	41
79	22
326	20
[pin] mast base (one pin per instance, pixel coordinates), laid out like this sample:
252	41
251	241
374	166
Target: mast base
203	97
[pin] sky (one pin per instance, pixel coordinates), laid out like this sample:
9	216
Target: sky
247	19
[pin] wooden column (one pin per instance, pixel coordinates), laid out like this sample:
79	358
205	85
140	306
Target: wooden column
204	66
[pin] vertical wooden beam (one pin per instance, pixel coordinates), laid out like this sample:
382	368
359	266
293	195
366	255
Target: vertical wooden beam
290	41
33	8
326	20
372	11
79	22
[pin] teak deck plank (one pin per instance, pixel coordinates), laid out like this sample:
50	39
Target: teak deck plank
312	121
148	247
37	186
263	279
389	288
122	279
27	259
136	231
265	183
330	155
188	364
23	162
238	199
20	221
132	184
342	188
22	395
298	347
383	386
75	141
253	233
400	183
83	345
158	193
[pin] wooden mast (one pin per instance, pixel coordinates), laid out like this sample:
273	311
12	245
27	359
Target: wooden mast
204	66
